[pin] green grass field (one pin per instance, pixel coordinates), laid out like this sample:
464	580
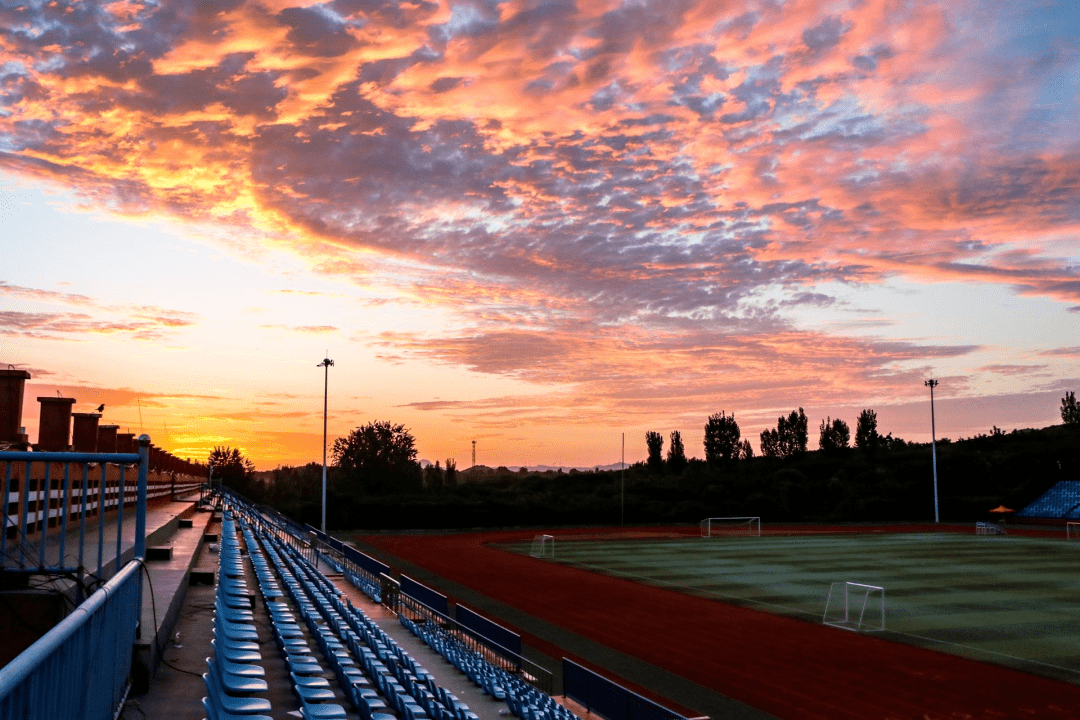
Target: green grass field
1004	599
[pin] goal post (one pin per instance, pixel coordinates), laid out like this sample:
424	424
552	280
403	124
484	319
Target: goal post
543	546
855	606
731	526
1072	530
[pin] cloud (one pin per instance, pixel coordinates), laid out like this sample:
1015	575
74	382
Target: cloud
140	322
304	329
1069	352
72	325
596	192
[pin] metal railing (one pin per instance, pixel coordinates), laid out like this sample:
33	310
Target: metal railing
82	666
56	499
504	658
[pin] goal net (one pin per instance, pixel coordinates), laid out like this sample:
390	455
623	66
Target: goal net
729	526
1072	530
543	546
854	606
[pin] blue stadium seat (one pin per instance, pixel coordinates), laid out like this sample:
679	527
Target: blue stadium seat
231	704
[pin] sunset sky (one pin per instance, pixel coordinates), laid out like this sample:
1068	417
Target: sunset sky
539	225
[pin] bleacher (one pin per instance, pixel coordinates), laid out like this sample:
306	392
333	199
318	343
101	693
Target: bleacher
1062	501
280	638
341	663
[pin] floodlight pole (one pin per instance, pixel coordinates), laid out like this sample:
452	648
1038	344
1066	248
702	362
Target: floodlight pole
326	364
622	483
932	383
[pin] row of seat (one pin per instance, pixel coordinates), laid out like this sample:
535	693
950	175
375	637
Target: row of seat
307	673
404	684
234	676
525	701
377	675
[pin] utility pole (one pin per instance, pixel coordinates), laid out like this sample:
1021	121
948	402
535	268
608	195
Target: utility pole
932	383
622	483
326	364
474	453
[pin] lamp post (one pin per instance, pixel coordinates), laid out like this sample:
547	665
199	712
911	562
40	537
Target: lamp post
326	364
622	483
932	383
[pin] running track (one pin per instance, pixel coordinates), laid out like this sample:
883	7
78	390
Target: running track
786	667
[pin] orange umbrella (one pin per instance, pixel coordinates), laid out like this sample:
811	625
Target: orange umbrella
1002	509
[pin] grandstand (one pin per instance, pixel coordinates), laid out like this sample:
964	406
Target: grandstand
1061	502
232	572
172	599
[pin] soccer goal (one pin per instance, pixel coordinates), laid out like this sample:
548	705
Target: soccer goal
856	607
984	528
543	546
731	526
1072	531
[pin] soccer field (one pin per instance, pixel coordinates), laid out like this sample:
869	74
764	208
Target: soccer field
1005	599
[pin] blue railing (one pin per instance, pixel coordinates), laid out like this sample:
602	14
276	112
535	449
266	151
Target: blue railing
48	496
80	668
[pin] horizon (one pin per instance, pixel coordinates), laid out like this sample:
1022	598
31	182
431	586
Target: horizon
537	224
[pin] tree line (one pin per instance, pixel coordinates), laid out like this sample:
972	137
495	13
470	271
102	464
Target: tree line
724	444
375	481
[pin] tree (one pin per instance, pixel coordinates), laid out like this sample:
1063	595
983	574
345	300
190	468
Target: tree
866	434
451	473
1070	411
794	434
655	442
378	458
676	455
721	438
834	435
433	477
231	468
770	443
745	450
788	439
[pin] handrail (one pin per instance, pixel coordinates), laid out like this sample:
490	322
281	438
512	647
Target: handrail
70	671
58	508
538	676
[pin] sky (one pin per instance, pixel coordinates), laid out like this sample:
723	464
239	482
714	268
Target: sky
541	226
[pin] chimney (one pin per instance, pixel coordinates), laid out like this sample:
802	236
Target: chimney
12	383
84	432
106	438
125	443
54	424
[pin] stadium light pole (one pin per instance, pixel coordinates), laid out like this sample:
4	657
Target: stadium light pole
622	483
932	383
326	364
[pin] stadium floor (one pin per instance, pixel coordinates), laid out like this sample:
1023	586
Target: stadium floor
999	597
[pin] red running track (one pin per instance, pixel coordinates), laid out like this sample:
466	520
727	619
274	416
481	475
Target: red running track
786	667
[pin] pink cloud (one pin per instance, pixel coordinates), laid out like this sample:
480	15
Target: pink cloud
629	199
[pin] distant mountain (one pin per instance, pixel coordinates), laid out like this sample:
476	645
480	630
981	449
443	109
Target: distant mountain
482	471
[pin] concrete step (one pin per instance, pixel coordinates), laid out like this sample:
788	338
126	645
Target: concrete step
159	553
165	584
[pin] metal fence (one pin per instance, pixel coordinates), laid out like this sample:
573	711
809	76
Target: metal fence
536	675
82	666
54	502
